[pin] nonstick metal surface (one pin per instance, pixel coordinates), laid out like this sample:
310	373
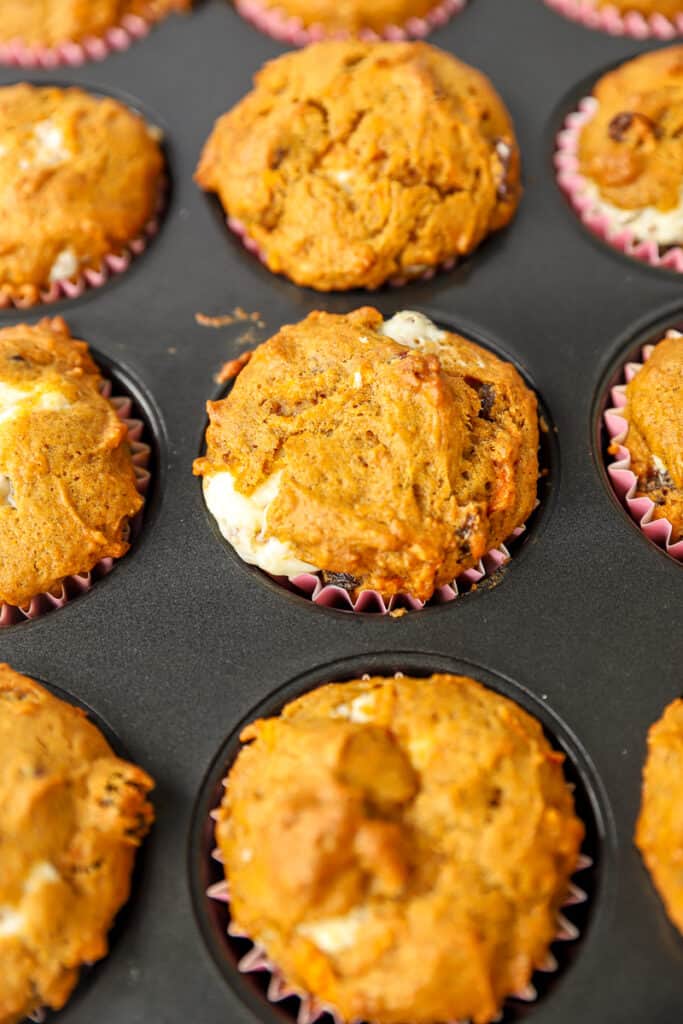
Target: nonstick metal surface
181	641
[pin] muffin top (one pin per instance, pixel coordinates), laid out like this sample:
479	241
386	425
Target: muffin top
353	15
400	847
71	817
50	22
632	148
80	176
654	411
350	163
392	452
659	833
669	8
67	482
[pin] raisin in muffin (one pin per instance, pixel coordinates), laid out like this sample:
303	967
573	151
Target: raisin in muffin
659	833
72	815
392	452
80	177
654	413
400	847
352	163
47	23
351	17
67	481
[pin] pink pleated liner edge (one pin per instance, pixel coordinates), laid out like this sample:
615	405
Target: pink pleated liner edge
73	586
623	479
113	264
279	25
617	23
71	53
575	185
311	1010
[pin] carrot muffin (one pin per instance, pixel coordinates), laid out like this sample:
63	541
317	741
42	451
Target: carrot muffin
659	833
353	163
67	482
391	453
400	847
72	815
654	413
80	177
47	23
351	17
631	149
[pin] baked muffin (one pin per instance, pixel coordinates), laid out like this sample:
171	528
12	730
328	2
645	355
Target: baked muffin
654	414
47	23
391	453
67	482
350	18
80	177
659	832
353	163
669	8
72	815
631	149
400	847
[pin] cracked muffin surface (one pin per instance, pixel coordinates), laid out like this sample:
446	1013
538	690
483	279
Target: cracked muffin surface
659	832
72	815
352	15
48	23
400	847
351	163
391	452
67	481
80	177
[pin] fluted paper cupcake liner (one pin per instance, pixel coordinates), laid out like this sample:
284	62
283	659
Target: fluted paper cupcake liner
79	583
112	265
275	22
591	209
618	23
310	1010
72	53
623	479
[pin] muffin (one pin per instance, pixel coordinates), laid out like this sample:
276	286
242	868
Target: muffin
354	163
389	454
48	23
67	482
669	8
400	847
80	178
72	815
292	19
654	417
659	832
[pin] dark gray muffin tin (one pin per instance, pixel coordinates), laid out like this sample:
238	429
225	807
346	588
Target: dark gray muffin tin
181	642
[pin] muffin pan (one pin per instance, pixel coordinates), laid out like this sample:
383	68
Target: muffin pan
180	643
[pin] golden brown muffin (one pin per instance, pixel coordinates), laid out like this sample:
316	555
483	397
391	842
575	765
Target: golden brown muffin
50	22
72	815
67	482
632	148
80	176
351	163
654	412
352	15
659	832
669	8
400	847
392	453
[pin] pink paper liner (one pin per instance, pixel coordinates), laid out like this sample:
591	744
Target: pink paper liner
623	479
71	53
311	1010
617	23
277	23
80	583
589	209
113	264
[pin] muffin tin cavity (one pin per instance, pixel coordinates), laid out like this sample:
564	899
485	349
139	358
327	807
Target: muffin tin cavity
234	956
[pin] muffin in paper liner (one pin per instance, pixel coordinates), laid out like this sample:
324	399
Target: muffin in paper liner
604	220
623	479
275	22
619	23
72	586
